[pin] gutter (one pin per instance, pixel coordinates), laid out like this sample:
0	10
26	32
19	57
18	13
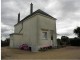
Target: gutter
21	28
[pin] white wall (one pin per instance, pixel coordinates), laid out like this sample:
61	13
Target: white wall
11	41
15	40
30	31
49	24
18	28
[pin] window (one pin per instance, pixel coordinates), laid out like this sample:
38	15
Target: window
44	35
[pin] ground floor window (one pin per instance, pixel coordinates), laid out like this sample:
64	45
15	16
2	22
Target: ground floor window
44	34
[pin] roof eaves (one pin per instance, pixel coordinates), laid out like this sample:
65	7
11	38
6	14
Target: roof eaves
16	34
37	11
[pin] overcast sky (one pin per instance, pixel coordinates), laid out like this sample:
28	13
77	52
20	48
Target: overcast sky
67	13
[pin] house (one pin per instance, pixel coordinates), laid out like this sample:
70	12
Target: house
36	30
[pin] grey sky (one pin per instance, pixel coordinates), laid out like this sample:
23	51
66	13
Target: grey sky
67	13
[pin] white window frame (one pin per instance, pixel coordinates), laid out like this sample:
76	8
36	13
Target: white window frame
45	37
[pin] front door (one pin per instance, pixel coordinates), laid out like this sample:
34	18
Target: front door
51	36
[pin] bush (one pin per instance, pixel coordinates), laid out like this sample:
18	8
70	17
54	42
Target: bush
24	47
45	48
5	43
75	42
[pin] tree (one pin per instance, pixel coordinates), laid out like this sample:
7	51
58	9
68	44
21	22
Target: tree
65	40
77	31
58	41
75	41
5	43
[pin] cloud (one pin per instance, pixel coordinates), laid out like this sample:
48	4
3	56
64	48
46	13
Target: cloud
69	6
6	30
67	13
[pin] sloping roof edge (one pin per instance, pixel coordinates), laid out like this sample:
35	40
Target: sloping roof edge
16	34
37	11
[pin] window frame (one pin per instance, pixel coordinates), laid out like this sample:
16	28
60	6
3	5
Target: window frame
44	35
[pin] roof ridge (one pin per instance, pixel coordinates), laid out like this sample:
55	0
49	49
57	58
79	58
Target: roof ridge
37	11
42	12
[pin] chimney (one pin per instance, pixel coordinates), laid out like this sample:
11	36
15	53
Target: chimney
31	8
18	17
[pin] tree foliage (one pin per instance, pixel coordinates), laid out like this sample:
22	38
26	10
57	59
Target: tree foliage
5	43
77	31
75	41
65	40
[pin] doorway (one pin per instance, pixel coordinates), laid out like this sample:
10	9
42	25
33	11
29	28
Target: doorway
51	34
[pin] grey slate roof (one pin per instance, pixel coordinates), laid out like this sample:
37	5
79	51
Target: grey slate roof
37	11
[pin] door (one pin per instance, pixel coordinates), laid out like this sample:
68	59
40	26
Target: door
51	36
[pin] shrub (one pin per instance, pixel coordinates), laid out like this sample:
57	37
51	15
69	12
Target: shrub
45	48
24	47
75	42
